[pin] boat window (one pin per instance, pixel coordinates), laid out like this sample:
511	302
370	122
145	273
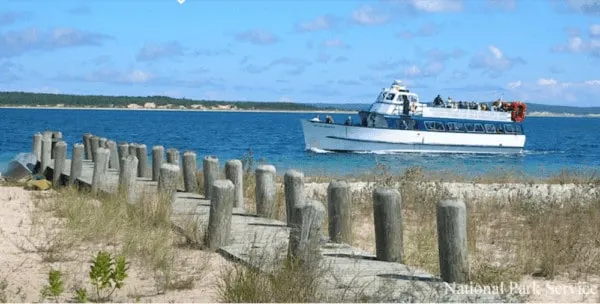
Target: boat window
450	126
470	127
459	126
518	129
490	128
499	129
509	129
390	96
413	98
380	97
479	128
439	126
429	125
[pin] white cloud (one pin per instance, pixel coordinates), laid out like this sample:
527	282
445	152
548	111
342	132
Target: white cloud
553	91
547	82
514	85
577	44
427	29
493	61
324	22
258	37
595	30
437	6
334	43
367	15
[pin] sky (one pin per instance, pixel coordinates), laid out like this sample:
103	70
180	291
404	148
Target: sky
334	51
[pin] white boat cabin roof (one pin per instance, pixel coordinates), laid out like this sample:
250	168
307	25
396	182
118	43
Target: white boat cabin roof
391	101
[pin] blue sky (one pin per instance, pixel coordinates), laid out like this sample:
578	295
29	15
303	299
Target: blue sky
340	51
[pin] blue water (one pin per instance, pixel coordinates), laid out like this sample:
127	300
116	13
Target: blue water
552	143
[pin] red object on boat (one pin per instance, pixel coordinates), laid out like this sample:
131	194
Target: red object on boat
518	111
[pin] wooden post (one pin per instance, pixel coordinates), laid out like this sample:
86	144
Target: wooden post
157	161
339	205
133	149
87	145
168	181
142	155
127	177
100	168
37	146
265	190
452	241
173	156
293	183
46	153
95	145
76	163
190	167
235	173
387	213
60	156
210	168
102	142
305	232
123	151
113	162
219	219
56	137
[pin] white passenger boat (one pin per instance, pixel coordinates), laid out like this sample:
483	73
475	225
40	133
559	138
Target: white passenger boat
398	122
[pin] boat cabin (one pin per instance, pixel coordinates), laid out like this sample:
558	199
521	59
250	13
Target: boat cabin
396	100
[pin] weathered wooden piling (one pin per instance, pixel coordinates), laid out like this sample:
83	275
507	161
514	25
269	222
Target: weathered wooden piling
173	156
94	143
452	241
132	149
127	177
190	167
113	162
339	205
102	142
76	163
234	172
37	146
46	153
157	161
100	168
60	157
305	232
168	180
123	151
142	155
387	213
265	190
87	145
293	187
56	137
210	169
47	134
219	219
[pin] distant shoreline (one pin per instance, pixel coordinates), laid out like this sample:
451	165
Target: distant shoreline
185	110
532	114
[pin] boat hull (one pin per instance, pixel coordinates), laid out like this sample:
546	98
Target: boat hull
335	137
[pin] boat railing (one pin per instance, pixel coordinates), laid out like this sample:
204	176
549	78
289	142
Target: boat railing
465	113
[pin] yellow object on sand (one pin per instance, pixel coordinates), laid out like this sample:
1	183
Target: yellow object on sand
40	184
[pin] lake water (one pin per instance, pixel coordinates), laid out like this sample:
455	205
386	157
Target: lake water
552	143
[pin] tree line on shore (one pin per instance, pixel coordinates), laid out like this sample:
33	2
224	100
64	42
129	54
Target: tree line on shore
99	101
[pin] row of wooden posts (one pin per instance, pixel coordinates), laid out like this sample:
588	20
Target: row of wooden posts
304	217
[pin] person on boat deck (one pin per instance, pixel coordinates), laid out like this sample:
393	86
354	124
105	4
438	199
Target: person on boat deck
348	121
316	118
438	101
328	119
